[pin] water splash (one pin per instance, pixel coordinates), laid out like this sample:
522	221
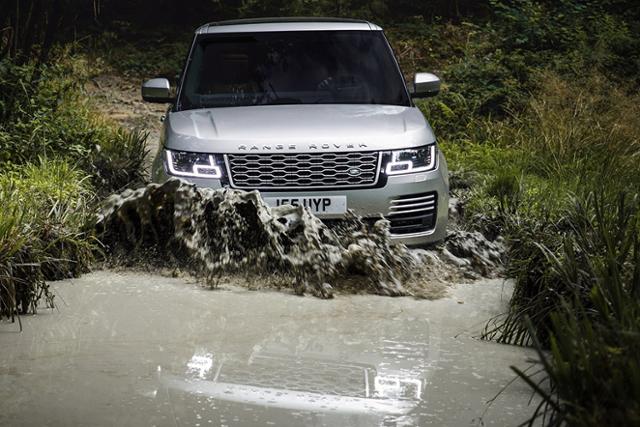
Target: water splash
211	233
225	230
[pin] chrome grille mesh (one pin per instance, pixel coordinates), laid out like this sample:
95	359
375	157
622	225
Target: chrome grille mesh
304	170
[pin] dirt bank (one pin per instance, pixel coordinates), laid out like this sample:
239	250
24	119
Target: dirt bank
119	98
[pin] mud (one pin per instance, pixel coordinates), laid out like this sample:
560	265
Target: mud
214	233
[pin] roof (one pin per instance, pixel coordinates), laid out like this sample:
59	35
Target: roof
286	24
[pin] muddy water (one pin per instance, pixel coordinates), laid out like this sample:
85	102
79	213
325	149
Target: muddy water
138	349
212	232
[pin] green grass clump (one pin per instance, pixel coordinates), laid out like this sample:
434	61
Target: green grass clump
44	233
585	308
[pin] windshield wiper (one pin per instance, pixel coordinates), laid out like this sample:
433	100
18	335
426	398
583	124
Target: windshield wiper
282	101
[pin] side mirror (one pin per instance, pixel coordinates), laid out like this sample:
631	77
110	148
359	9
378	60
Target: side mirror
157	90
425	85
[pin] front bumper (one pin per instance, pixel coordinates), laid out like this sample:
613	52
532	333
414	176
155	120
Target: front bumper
370	202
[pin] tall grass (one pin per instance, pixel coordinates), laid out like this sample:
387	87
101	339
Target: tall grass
56	154
561	181
589	306
44	233
576	143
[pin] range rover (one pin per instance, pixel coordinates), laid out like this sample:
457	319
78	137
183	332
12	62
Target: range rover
311	112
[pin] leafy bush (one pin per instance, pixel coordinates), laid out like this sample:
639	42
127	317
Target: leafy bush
571	36
52	117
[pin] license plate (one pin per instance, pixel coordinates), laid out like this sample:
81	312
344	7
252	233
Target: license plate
317	204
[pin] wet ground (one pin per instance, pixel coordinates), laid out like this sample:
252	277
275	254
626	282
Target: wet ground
137	349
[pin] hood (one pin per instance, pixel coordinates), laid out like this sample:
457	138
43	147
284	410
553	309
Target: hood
297	128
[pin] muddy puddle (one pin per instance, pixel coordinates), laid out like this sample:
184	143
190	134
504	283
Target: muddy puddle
230	235
133	349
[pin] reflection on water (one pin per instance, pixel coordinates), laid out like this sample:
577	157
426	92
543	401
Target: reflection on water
394	387
374	375
200	364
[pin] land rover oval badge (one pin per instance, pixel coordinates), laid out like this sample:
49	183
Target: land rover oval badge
354	172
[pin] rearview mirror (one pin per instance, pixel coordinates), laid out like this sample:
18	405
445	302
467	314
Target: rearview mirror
425	85
157	90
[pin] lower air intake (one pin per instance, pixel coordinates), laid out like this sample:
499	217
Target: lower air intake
415	213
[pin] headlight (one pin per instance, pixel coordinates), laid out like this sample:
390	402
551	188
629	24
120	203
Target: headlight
201	165
412	160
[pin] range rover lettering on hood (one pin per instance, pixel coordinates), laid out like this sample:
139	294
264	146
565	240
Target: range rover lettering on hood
244	147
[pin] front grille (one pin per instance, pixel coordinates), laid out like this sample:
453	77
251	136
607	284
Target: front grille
304	170
415	213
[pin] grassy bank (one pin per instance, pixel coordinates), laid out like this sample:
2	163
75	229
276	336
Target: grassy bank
43	233
57	158
559	180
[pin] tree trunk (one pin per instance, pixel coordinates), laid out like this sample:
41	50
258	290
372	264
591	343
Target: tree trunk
6	28
54	15
29	29
16	29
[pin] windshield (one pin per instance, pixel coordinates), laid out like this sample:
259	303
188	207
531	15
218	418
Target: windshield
302	67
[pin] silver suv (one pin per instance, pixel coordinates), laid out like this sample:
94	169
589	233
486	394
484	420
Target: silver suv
311	112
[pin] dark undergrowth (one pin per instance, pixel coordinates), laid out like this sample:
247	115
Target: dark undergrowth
585	310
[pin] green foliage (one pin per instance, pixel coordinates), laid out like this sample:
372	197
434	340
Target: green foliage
488	84
589	301
582	129
51	117
46	212
572	136
127	50
490	68
571	35
55	152
552	178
